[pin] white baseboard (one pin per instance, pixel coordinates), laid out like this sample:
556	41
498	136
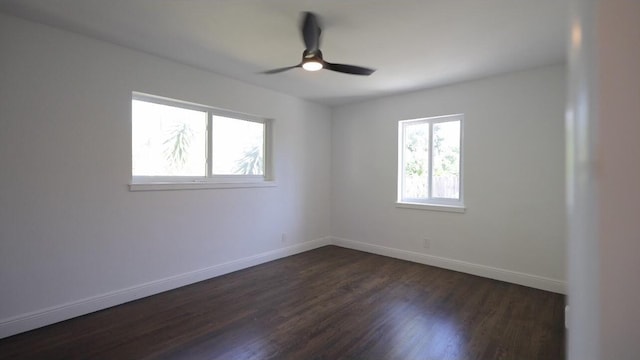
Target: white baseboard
54	314
534	281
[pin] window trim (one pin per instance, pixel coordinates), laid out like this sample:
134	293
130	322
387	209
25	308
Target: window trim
197	185
210	180
433	203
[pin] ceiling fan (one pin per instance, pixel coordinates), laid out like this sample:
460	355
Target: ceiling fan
312	56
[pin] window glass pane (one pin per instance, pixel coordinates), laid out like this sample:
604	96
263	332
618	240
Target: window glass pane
168	140
446	160
237	147
415	158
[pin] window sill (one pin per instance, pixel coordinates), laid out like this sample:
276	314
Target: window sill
162	186
432	207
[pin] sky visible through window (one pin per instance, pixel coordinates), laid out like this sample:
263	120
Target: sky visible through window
237	146
167	140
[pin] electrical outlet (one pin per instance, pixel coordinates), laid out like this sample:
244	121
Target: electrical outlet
426	243
284	238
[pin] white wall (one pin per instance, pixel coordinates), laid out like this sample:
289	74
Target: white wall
605	238
514	226
69	227
618	48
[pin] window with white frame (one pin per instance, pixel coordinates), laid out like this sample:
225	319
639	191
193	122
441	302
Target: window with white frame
430	161
175	142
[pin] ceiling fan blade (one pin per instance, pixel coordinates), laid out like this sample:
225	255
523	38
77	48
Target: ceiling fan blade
279	70
349	69
311	32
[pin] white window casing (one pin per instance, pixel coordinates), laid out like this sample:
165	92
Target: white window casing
209	179
417	191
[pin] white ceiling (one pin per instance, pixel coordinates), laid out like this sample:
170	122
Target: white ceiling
413	44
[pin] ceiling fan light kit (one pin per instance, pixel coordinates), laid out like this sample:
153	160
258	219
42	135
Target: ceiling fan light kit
312	56
312	61
312	65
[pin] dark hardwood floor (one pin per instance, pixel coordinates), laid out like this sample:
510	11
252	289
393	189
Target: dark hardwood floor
328	303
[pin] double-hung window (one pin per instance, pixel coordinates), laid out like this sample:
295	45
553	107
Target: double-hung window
180	145
430	163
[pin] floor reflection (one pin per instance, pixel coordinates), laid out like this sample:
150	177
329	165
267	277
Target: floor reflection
419	334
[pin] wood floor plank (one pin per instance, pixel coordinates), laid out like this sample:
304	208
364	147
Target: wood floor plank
328	303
